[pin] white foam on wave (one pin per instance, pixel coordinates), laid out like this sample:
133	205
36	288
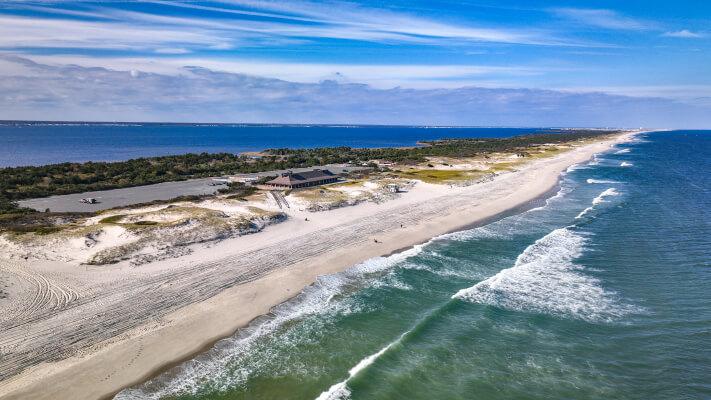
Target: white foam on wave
562	192
607	193
623	151
340	390
597	200
601	181
626	164
391	282
482	232
595	160
508	226
584	212
545	279
214	370
574	167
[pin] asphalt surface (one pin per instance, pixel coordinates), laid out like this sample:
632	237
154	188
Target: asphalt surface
142	194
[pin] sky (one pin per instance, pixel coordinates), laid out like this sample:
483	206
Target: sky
477	63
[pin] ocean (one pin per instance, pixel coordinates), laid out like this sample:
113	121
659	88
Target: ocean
603	291
37	143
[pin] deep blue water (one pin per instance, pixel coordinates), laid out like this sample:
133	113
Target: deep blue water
602	293
48	143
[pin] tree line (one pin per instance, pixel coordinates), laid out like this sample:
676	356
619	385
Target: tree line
17	183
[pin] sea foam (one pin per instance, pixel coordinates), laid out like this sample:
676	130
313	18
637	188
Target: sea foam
340	390
601	181
545	279
626	164
320	298
607	193
597	200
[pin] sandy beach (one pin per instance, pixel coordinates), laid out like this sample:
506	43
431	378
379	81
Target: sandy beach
86	332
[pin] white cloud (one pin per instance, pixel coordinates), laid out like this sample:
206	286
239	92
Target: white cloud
684	33
172	50
376	75
689	94
40	91
22	32
116	29
602	18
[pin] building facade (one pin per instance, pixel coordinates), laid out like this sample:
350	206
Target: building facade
292	180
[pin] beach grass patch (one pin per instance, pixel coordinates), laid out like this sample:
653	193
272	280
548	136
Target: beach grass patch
114	219
442	176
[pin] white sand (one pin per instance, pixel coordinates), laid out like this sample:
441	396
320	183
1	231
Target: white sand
85	333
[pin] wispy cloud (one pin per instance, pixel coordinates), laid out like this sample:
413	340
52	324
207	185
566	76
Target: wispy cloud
26	32
684	34
602	18
245	23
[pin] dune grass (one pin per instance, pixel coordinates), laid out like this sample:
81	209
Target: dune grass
442	176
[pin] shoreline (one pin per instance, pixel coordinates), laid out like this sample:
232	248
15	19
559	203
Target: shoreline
162	346
164	368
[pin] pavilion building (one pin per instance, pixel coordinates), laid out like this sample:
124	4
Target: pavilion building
295	180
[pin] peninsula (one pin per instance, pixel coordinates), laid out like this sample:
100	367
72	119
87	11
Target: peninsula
101	299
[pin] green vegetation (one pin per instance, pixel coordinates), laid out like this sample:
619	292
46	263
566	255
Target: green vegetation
114	219
145	223
237	190
457	148
37	222
440	176
28	182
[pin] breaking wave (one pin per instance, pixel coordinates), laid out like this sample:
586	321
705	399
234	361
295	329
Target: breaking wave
601	181
212	369
626	164
623	151
607	193
597	200
545	279
595	160
340	390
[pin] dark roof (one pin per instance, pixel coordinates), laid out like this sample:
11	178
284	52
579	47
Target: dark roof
290	179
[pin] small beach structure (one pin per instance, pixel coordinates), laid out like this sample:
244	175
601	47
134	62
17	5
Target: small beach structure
295	180
246	179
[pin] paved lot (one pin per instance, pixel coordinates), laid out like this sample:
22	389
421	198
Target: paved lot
142	194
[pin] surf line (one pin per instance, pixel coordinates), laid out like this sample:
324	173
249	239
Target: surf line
599	199
340	391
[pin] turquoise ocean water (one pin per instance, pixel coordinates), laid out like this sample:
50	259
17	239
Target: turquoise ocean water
601	292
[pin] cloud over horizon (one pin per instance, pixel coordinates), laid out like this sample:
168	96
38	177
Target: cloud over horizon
71	92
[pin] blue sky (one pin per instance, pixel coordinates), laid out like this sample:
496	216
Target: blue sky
260	61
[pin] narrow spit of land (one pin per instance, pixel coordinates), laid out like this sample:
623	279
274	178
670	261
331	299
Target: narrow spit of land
85	332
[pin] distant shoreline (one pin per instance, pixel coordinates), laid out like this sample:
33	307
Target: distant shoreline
273	124
48	143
